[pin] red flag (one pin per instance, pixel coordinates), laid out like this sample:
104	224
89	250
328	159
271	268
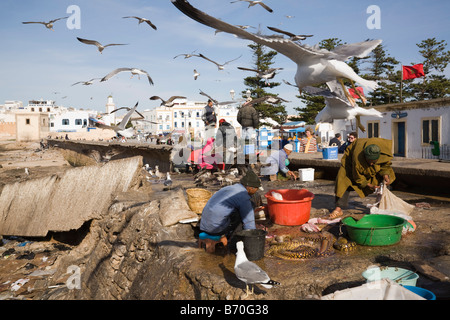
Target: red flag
354	94
412	72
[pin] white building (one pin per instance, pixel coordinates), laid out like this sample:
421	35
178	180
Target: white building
69	121
184	116
412	126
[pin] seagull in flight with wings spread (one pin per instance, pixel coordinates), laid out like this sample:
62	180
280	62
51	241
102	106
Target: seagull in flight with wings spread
252	3
99	46
48	25
314	65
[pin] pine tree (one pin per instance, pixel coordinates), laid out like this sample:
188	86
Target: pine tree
382	70
434	85
263	61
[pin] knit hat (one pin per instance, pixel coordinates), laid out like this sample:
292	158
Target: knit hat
372	152
288	147
221	120
250	179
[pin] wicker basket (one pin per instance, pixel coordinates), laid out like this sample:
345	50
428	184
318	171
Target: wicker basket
197	199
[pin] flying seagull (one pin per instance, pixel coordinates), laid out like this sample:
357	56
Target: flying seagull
87	83
48	25
249	272
120	128
187	55
214	101
252	3
269	99
134	71
338	107
314	65
99	46
292	37
263	74
219	66
196	74
169	102
140	20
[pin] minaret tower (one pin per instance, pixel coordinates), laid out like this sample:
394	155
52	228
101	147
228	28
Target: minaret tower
111	106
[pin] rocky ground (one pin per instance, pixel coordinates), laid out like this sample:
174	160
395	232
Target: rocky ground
128	254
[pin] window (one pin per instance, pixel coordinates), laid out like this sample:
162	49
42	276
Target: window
430	130
182	124
52	124
48	109
78	122
84	122
40	109
65	122
373	129
198	114
27	121
175	124
174	114
32	109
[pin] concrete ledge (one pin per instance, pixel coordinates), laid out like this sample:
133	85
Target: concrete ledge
35	207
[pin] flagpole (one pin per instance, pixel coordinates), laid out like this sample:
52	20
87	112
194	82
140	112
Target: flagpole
401	86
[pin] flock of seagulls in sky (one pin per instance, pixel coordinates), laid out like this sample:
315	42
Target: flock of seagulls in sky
315	65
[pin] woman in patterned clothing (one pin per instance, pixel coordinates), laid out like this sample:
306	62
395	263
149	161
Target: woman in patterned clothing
308	144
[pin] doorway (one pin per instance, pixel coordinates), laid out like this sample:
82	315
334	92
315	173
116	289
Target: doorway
399	138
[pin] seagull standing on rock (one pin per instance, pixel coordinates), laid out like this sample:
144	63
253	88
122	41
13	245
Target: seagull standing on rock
249	272
168	181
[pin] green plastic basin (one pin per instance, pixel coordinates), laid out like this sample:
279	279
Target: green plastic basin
375	229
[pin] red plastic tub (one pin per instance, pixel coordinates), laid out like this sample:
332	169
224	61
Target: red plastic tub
293	210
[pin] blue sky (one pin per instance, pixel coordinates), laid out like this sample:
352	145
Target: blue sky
39	63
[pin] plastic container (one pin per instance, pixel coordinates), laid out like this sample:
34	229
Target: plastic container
330	153
399	275
306	174
293	210
424	293
254	242
375	230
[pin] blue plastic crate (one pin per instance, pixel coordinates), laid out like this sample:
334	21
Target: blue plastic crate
330	153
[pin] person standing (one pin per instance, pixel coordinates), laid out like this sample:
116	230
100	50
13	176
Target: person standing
209	118
365	164
248	118
226	137
308	144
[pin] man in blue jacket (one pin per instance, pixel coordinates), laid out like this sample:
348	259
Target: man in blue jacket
230	206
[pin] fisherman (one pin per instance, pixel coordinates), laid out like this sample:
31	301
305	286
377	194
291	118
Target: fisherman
365	164
230	206
209	118
277	162
227	139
